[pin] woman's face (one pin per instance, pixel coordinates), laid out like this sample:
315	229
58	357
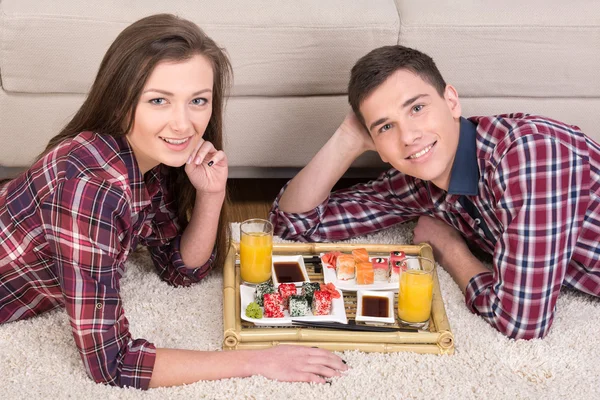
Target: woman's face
172	114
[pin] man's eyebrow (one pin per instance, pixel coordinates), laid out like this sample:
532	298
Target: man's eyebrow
413	99
167	93
378	122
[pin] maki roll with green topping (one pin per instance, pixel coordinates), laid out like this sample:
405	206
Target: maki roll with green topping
309	288
299	306
261	290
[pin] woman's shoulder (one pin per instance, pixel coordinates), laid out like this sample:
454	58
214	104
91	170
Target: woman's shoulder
92	155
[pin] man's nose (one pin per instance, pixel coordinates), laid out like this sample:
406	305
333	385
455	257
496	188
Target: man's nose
410	133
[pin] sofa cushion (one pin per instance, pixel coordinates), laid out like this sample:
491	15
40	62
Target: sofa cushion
535	48
289	47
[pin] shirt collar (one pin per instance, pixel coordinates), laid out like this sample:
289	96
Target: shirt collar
464	177
143	187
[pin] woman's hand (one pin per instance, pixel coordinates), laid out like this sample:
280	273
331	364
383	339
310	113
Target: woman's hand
298	364
207	168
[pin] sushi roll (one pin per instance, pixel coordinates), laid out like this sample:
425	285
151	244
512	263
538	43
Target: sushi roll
273	305
360	255
381	269
261	290
365	275
397	256
308	289
345	267
299	306
397	267
286	290
321	303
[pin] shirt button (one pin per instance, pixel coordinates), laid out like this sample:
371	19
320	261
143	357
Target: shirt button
477	221
98	306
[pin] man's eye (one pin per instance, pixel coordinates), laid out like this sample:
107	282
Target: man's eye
159	101
417	108
200	101
385	128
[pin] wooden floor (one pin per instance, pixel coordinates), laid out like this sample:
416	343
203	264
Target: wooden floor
252	198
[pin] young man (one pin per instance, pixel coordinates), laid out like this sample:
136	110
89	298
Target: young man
525	189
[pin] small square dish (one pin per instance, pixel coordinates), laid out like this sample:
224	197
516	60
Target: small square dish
375	307
289	269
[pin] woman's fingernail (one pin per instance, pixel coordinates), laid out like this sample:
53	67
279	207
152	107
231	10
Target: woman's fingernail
210	163
189	159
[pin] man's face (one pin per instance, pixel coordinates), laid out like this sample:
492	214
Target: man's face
413	127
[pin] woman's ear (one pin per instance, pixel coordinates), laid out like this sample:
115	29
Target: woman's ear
451	97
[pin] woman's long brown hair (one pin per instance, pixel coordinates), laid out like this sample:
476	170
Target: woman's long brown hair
112	100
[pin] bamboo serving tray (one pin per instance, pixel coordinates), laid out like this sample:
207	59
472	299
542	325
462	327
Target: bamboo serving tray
245	335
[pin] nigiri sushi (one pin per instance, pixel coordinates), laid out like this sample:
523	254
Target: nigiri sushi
397	267
345	267
360	255
381	269
365	275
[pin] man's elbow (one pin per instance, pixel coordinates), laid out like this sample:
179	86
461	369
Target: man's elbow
522	333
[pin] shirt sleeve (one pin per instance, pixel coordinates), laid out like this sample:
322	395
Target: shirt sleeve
542	197
163	238
358	210
85	223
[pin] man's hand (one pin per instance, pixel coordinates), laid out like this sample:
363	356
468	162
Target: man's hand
354	133
449	249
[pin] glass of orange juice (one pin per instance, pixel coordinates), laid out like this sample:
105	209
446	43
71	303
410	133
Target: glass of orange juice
415	292
256	249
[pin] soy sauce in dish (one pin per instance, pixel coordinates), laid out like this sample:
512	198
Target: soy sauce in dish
288	272
375	306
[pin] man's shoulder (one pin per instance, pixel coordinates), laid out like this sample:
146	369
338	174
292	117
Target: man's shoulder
499	133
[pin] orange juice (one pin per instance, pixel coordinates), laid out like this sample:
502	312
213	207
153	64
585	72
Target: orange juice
256	249
414	295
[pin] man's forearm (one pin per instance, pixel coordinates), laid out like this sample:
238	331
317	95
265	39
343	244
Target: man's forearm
462	265
313	184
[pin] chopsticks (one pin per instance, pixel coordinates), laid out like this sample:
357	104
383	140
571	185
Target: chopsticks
316	260
352	326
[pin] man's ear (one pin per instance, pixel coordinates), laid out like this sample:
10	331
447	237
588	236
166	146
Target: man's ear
451	97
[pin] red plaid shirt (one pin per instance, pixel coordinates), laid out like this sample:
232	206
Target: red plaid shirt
66	228
523	188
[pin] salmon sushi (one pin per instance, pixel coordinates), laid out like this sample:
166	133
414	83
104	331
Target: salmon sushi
345	267
360	255
381	269
365	275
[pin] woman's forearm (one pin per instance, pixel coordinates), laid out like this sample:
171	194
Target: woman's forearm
198	239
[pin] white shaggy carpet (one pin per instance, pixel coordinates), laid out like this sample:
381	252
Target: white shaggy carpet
38	358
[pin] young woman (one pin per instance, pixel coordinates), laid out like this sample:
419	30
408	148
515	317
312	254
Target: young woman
141	162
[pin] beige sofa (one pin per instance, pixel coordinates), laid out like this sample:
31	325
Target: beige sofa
292	59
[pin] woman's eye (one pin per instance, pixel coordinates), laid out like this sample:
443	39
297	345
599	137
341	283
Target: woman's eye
199	101
159	101
417	108
385	128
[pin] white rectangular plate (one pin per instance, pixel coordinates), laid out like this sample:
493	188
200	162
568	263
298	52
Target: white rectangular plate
338	311
329	276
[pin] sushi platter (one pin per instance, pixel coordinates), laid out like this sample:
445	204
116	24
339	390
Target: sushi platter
258	316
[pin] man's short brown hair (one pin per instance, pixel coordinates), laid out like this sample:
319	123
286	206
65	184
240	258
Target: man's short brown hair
378	65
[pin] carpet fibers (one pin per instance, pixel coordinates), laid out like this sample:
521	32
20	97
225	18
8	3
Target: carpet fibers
38	357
